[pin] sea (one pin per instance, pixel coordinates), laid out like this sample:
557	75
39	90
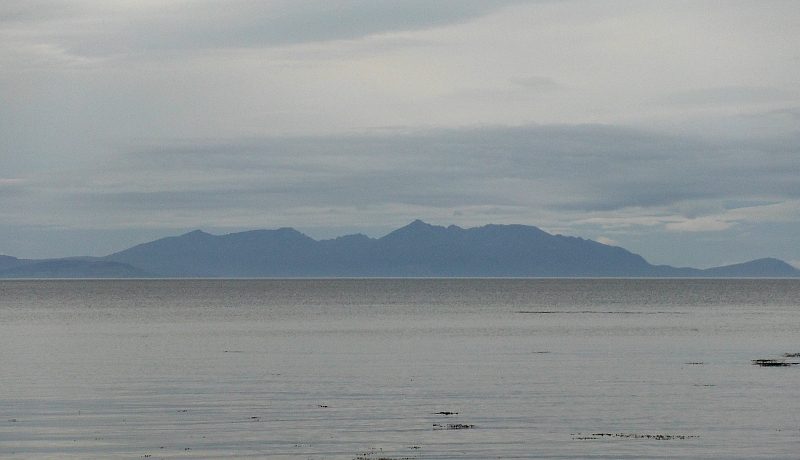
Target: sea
370	369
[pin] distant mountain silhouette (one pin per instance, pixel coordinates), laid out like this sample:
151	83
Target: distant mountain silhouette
72	268
416	250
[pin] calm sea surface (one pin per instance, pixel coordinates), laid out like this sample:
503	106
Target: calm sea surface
399	369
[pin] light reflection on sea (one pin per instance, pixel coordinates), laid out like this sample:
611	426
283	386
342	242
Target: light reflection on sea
365	368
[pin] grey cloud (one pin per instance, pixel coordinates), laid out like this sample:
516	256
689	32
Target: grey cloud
740	204
11	188
585	168
243	24
34	10
351	191
793	114
285	173
537	83
728	95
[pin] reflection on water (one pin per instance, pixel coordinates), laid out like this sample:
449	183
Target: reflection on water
424	369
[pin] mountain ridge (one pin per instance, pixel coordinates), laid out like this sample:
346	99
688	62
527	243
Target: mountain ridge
418	249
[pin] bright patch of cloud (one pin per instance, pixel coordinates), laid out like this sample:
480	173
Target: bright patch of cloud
701	224
606	241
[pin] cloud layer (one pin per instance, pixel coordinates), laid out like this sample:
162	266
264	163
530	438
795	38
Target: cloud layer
502	174
610	119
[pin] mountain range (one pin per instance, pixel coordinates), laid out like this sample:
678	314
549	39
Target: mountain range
416	250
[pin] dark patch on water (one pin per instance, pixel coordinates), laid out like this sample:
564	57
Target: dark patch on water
772	363
377	454
452	426
656	437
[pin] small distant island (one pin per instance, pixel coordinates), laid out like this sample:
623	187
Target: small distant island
416	250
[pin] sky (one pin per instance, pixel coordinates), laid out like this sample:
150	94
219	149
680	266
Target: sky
670	128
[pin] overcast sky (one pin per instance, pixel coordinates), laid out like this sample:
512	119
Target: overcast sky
670	128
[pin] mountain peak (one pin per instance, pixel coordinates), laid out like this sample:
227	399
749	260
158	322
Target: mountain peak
419	224
196	234
412	232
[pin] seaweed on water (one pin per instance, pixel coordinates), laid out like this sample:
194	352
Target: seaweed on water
377	454
452	426
367	457
459	426
772	363
656	437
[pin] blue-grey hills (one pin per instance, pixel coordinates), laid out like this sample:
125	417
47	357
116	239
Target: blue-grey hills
416	250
